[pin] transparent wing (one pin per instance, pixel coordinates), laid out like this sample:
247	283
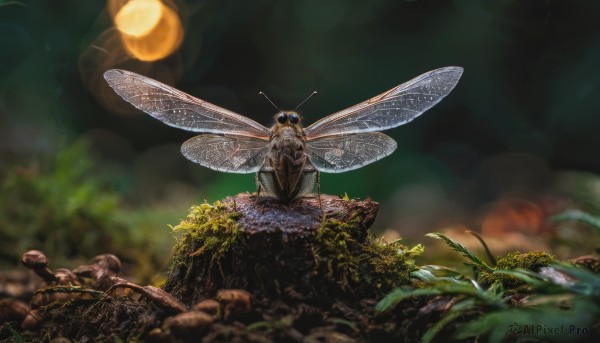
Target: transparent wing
340	153
178	109
393	108
227	153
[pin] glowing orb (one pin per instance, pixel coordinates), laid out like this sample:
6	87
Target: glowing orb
149	30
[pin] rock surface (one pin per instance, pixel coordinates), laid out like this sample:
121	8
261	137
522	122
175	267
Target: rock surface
267	247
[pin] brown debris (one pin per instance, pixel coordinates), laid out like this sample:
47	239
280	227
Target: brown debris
588	261
209	306
13	310
162	299
19	284
236	302
60	340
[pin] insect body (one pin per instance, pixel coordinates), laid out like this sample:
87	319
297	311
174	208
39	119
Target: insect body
286	158
287	171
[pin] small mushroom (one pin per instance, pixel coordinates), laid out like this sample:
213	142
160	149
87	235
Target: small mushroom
235	302
66	277
110	262
32	321
209	306
188	324
158	335
12	310
38	262
100	274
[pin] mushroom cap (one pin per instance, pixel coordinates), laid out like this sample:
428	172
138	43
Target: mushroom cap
34	259
110	262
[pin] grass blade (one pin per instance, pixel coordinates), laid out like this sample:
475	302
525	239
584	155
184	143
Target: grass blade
399	294
454	245
579	216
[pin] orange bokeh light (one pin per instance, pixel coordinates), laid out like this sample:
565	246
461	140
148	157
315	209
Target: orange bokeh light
516	215
149	29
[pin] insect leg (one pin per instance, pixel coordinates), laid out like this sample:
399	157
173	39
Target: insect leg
300	163
257	195
319	189
258	186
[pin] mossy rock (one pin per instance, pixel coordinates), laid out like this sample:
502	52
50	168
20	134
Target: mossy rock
517	260
296	251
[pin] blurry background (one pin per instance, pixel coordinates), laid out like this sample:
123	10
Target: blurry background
83	172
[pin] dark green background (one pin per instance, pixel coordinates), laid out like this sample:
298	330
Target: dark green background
527	105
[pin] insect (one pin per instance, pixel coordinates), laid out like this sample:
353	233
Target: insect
286	158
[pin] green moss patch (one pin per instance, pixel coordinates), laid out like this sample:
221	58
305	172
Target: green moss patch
517	260
356	264
208	229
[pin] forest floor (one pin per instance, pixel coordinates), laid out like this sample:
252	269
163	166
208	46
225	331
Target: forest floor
248	271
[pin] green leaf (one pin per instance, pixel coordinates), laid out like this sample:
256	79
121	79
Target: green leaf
440	271
589	282
454	245
344	322
531	278
497	326
399	294
16	336
579	216
12	2
496	288
430	334
430	278
467	288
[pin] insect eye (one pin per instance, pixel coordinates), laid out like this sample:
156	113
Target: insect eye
282	118
294	119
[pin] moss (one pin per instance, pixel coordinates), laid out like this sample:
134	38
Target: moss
516	260
338	259
208	229
353	262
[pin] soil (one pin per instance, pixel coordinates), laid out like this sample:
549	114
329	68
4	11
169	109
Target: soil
242	271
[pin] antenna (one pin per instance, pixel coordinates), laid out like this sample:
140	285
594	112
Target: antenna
305	100
269	100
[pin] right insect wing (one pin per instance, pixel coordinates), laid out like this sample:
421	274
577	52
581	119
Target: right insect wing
340	153
227	153
178	109
390	109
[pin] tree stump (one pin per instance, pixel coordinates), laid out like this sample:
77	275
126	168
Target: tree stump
293	251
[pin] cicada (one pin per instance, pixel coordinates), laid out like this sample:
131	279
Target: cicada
287	158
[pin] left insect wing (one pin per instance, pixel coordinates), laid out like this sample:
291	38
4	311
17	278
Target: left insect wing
227	153
232	143
176	108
